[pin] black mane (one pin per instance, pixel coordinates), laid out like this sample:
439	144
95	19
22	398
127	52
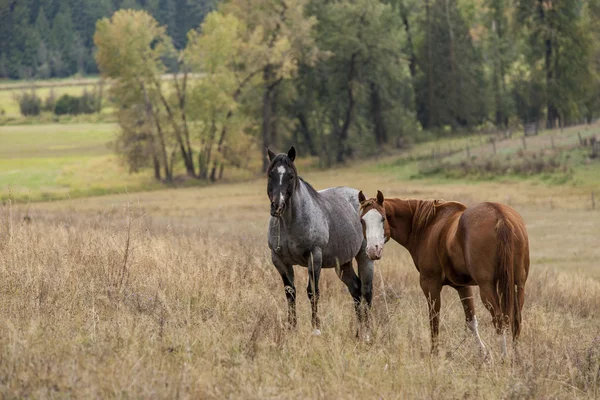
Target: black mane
310	188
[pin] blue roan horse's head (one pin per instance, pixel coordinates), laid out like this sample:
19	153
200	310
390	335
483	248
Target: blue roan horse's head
282	180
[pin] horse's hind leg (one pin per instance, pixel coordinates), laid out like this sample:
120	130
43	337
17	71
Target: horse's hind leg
287	275
491	301
468	301
347	275
315	261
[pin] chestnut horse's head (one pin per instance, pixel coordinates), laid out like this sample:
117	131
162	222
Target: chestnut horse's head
282	180
376	228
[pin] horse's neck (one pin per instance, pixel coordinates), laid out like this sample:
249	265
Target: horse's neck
302	206
400	216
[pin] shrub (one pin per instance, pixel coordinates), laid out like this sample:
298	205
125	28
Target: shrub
29	103
67	104
75	105
50	102
87	102
523	164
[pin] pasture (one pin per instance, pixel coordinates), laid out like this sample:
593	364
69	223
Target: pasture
49	161
171	293
10	105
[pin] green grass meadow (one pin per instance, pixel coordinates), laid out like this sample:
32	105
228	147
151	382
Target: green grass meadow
10	105
50	161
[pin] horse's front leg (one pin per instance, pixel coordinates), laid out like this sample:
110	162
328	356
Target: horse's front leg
315	262
287	275
347	275
432	288
365	274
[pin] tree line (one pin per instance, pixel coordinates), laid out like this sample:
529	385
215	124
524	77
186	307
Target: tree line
343	78
54	38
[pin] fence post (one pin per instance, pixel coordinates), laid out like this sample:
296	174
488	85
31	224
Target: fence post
524	142
580	139
593	202
468	151
552	141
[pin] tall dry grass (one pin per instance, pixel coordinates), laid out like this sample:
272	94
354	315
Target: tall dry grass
115	305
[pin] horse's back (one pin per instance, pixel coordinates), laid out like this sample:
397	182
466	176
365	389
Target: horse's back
345	231
341	195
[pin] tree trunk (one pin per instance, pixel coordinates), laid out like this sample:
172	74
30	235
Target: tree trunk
343	131
412	59
308	139
236	95
206	153
99	96
455	99
551	111
377	113
181	95
429	67
186	152
267	111
213	172
273	128
498	78
156	165
163	146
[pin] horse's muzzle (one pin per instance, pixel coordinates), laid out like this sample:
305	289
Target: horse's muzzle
276	211
375	252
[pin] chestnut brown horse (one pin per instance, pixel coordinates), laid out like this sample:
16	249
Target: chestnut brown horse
485	245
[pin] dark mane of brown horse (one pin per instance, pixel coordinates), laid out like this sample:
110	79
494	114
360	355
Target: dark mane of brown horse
423	213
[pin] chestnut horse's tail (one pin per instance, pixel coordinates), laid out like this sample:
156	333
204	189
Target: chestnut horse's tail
505	274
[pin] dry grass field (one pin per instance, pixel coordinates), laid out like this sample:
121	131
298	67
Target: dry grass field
171	294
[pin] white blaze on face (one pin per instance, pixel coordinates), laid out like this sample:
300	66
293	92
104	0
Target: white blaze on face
281	170
375	233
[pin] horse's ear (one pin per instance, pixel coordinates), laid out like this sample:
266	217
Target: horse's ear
380	198
361	197
292	153
270	154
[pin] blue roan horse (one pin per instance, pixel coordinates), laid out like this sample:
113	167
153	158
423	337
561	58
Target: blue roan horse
316	230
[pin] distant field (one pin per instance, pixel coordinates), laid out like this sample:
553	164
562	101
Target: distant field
11	106
51	161
72	86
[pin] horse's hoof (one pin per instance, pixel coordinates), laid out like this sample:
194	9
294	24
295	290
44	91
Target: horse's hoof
316	332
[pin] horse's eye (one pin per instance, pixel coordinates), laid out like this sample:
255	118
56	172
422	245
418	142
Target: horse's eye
382	219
